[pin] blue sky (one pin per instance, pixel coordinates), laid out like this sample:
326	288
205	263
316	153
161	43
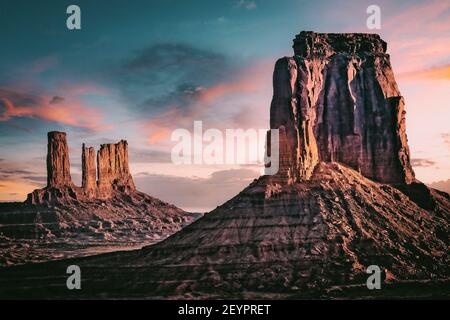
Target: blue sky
138	71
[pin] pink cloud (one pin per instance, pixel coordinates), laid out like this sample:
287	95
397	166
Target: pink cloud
209	103
69	111
418	36
243	85
434	73
424	17
158	127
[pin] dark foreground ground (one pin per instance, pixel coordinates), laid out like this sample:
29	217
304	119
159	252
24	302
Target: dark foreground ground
48	281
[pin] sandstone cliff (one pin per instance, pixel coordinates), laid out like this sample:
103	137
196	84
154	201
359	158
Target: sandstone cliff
337	100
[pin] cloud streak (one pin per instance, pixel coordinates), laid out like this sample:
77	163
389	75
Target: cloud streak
17	180
435	73
419	162
226	104
419	35
44	64
69	111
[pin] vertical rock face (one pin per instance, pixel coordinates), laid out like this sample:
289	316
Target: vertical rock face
89	174
106	157
338	101
112	167
113	170
58	165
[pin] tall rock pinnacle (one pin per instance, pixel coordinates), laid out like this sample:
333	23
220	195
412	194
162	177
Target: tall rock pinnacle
337	100
58	165
89	173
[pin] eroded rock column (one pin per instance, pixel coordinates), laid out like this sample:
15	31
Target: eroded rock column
58	165
113	169
291	111
88	167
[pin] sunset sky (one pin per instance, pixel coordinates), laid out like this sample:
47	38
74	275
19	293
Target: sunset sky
138	71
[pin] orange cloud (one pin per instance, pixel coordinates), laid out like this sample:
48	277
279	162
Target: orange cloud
247	84
16	190
418	36
158	127
158	134
67	111
424	17
436	73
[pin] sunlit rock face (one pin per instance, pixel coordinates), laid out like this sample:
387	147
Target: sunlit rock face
58	165
59	182
338	101
112	167
89	172
113	170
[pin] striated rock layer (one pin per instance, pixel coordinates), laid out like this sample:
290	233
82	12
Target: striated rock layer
310	239
37	233
337	100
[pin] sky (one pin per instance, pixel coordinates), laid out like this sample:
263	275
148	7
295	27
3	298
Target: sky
139	70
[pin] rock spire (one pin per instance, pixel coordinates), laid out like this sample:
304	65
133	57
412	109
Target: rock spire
112	168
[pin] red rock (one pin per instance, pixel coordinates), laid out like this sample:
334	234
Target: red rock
101	215
338	101
113	169
89	173
60	187
58	165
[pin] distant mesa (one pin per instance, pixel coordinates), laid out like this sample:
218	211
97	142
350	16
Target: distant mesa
102	175
104	214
